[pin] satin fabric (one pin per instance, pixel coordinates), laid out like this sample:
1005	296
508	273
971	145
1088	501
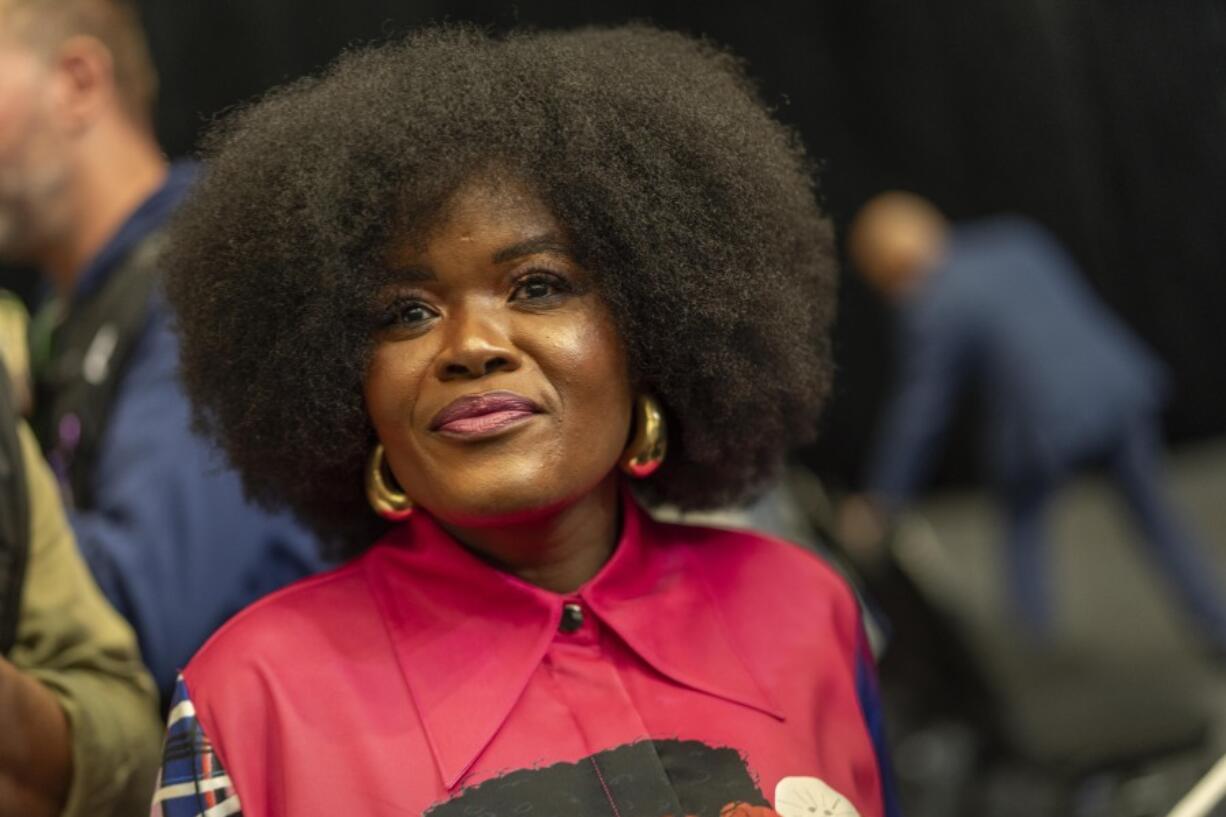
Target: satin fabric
419	675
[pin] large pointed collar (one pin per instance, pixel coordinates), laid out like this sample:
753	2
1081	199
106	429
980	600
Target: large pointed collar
468	637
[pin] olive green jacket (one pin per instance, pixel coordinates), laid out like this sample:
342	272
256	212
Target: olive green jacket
70	639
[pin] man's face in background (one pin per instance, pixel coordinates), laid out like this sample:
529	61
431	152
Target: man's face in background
34	157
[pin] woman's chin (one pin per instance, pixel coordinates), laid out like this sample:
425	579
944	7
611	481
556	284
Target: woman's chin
507	504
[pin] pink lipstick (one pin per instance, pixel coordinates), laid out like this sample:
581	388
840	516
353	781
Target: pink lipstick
483	415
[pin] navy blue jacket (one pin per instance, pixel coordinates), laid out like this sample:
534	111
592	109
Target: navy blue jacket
1060	375
169	537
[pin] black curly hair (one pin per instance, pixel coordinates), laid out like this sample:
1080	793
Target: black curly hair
694	209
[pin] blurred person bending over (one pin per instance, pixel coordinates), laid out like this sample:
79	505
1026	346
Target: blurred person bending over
79	730
1000	302
84	195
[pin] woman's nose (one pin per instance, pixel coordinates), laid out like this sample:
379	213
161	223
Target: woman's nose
476	346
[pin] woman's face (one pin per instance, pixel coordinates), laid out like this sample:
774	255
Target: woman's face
498	385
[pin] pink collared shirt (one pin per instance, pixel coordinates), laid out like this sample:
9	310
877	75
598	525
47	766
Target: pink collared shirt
700	672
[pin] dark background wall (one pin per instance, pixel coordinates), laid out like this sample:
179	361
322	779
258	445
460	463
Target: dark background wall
1104	119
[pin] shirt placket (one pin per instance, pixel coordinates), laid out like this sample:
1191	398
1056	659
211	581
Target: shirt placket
584	669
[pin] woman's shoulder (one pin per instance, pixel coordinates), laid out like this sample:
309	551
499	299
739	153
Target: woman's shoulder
771	596
741	563
308	617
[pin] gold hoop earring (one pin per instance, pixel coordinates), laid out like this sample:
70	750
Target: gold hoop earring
390	503
650	443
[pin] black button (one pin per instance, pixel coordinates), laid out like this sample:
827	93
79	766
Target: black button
572	617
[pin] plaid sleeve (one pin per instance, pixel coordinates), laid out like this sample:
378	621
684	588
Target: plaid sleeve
192	782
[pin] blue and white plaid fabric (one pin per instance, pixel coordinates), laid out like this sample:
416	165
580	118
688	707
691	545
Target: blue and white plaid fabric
192	782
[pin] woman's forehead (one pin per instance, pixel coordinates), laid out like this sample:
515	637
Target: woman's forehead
501	212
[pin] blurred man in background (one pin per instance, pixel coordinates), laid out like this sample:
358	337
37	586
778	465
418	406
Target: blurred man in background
1065	383
14	351
79	728
84	194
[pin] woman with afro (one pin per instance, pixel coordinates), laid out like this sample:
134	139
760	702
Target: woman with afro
468	305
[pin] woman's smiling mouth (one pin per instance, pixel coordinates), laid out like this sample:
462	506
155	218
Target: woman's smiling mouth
484	415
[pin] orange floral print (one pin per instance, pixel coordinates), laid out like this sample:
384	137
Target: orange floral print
746	810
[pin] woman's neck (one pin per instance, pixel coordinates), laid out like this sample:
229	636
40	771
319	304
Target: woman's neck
559	551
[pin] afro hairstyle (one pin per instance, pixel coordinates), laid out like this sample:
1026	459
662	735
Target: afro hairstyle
694	209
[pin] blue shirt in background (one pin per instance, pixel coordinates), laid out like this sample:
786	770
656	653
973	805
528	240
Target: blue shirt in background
169	536
1060	375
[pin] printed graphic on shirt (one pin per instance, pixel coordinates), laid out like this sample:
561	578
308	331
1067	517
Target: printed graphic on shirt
810	797
663	778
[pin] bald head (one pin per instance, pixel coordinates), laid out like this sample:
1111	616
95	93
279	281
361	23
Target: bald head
895	239
44	26
77	148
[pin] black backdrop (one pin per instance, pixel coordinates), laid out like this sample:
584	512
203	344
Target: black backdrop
1104	119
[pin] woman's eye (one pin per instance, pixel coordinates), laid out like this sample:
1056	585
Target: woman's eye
408	313
537	287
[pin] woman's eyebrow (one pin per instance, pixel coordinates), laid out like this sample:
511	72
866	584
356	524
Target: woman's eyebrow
409	275
549	242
